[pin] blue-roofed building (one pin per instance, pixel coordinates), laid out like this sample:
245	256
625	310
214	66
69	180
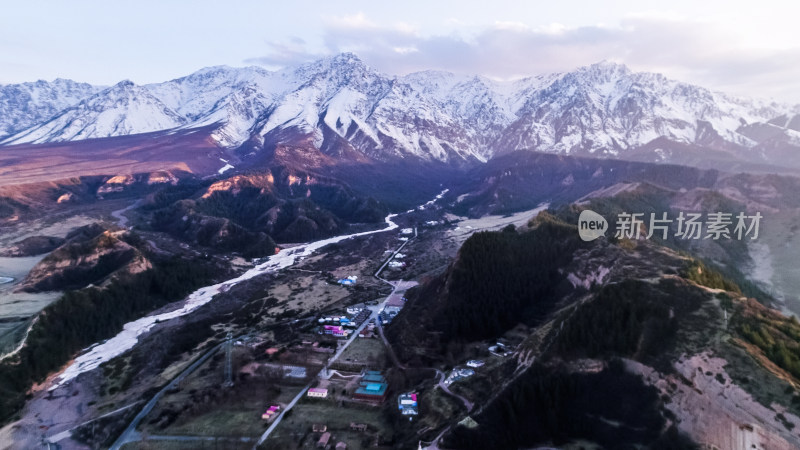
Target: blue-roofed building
348	281
373	378
372	387
374	392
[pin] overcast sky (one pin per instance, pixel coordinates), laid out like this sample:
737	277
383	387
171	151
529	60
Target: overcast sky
742	47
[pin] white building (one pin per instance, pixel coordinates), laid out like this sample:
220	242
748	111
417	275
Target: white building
317	393
355	309
394	304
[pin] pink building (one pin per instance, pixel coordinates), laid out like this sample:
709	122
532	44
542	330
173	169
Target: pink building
336	330
271	412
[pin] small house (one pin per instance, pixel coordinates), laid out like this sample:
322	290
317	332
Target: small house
317	393
348	281
271	412
407	404
335	330
394	304
360	427
355	309
365	333
465	372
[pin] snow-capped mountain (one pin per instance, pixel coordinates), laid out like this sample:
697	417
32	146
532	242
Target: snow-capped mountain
342	106
120	110
29	104
607	108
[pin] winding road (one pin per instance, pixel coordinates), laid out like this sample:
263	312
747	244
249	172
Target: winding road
130	434
468	405
119	214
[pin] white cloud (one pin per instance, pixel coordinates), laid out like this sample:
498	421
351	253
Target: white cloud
696	51
356	21
511	26
405	50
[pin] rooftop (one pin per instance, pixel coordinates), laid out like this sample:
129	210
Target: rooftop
374	378
376	389
395	300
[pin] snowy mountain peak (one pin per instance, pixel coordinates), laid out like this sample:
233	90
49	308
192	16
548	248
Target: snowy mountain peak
343	60
124	84
26	105
217	75
606	66
122	109
337	71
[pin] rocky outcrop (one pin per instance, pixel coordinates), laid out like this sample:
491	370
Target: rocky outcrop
731	418
81	262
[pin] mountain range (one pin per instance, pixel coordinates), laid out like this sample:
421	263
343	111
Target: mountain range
230	201
347	109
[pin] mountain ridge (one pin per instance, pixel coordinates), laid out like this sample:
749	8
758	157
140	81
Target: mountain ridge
604	109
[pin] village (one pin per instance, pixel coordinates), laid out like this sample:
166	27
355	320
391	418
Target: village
353	375
327	378
326	387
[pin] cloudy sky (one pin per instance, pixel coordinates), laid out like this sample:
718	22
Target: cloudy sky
742	47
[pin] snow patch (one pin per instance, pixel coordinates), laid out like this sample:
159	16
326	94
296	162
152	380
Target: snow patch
224	168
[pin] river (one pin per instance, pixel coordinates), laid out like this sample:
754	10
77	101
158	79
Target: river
16	308
129	336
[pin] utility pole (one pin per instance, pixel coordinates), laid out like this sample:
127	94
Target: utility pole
228	363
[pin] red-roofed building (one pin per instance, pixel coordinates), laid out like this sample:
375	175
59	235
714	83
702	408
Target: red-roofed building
271	413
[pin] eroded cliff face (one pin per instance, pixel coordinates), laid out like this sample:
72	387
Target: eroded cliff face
86	260
715	411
